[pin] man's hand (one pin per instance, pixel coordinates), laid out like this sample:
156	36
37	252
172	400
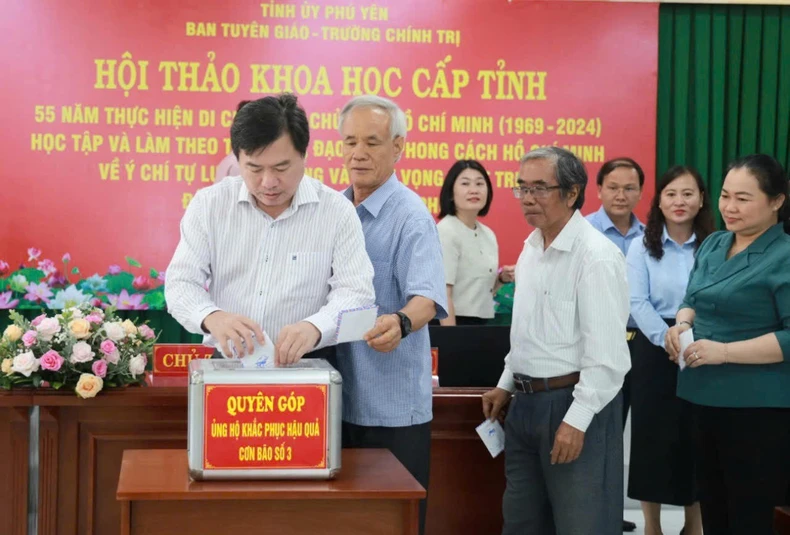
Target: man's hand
568	444
385	335
230	329
494	401
294	341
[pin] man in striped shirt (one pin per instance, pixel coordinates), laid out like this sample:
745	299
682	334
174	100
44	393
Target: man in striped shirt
387	390
283	253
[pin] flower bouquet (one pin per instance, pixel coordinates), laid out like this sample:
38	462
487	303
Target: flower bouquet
81	348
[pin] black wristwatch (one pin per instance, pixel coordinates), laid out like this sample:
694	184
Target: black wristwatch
405	324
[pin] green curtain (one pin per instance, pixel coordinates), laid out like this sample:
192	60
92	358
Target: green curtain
723	87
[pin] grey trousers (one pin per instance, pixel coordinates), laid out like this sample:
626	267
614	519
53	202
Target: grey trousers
584	497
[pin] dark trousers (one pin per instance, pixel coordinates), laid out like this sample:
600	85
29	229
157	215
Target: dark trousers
626	390
584	497
743	460
411	445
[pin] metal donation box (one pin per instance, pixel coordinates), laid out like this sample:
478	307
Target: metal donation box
264	423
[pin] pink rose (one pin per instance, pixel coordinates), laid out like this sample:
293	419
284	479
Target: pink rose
51	360
107	347
29	338
146	332
37	320
81	352
94	318
96	302
99	368
113	357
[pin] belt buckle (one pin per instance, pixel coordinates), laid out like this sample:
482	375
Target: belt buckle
528	381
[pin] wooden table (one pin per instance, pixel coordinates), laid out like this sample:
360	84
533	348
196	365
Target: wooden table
373	493
14	460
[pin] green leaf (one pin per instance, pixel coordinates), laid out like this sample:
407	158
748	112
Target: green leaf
75	271
153	273
121	281
155	299
31	274
36	381
132	262
57	385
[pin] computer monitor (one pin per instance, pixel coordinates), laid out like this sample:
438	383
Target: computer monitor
470	355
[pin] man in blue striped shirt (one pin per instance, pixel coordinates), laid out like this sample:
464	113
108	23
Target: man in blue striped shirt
387	391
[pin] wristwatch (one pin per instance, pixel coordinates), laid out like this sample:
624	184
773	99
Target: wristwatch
405	324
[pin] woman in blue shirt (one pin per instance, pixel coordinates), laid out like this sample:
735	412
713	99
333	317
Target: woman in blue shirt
658	270
738	368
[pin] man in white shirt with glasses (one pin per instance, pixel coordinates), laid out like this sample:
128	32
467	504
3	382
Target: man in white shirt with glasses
568	357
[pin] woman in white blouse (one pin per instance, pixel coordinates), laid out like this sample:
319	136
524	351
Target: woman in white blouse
469	248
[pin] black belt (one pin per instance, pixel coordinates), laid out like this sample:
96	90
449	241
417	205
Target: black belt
533	385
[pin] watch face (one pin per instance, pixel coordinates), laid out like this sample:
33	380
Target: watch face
405	324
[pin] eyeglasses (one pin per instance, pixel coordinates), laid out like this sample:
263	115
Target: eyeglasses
627	190
539	192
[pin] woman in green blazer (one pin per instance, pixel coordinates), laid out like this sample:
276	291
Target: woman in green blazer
738	368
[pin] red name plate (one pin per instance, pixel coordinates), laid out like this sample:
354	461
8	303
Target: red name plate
172	360
264	427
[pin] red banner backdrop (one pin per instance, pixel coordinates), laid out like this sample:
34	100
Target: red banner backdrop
263	427
118	112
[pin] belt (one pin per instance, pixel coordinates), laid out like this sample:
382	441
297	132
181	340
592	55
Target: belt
533	385
630	334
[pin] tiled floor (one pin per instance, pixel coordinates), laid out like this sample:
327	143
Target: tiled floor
671	521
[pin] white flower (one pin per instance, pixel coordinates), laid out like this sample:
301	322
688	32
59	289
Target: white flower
48	328
71	297
137	364
25	363
75	312
129	327
81	352
114	330
113	357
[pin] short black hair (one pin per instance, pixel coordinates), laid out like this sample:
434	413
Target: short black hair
446	200
617	163
241	104
261	122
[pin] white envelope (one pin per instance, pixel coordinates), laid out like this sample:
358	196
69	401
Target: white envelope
493	436
353	324
686	339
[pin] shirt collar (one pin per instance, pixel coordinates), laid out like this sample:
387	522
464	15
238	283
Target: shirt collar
375	202
305	194
665	237
566	237
606	223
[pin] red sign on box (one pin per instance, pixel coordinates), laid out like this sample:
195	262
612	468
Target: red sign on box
434	361
172	360
264	427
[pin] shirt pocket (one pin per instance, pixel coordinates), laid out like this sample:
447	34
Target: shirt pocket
556	321
307	274
385	286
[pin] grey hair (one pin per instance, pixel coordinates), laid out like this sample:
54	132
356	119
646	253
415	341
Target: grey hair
397	117
568	170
